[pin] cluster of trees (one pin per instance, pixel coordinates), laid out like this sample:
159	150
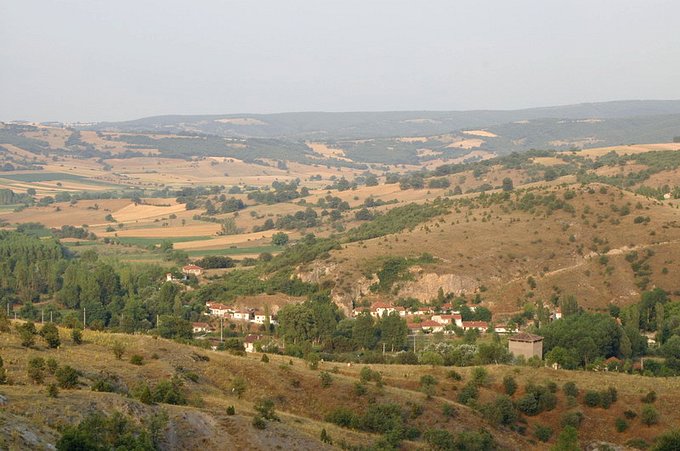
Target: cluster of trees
9	197
29	267
318	322
280	192
299	220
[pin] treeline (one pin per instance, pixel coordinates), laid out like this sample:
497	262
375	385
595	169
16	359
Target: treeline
9	197
124	297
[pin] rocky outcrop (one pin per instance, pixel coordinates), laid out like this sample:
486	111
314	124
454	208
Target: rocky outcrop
425	286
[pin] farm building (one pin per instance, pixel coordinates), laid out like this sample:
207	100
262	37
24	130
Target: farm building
526	344
192	270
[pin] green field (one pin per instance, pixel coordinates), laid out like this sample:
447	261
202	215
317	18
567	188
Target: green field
42	177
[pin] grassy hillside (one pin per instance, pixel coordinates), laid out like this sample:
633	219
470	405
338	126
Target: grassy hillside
301	401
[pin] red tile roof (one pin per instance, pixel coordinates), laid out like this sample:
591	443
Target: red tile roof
191	267
526	337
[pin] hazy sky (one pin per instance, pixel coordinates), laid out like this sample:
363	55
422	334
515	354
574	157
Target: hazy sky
113	60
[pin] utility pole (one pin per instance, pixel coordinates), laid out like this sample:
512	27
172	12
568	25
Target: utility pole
42	316
221	329
50	316
84	318
383	348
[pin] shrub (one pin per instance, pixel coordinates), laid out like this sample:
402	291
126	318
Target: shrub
567	440
630	414
613	394
591	398
605	399
480	376
649	398
501	411
67	377
570	389
265	358
324	437
76	336
572	419
169	392
342	417
326	379
265	408
543	433
552	386
649	415
51	365
231	410
118	349
238	386
360	389
36	370
259	423
510	385
449	411
468	393
97	431
528	405
27	334
455	375
620	424
136	359
439	439
50	334
53	391
3	373
105	382
670	441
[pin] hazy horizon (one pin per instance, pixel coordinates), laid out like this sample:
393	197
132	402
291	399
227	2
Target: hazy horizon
79	60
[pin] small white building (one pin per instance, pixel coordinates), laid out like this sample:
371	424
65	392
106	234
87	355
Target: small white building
200	327
249	342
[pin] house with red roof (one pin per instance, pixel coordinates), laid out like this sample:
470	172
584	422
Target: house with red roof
481	326
219	310
449	319
431	326
193	270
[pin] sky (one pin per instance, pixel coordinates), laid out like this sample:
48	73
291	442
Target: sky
100	60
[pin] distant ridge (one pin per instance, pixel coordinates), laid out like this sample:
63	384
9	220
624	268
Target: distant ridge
357	125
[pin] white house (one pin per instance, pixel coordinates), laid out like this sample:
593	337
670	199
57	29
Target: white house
192	269
217	309
200	327
503	329
448	319
431	326
242	315
481	326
